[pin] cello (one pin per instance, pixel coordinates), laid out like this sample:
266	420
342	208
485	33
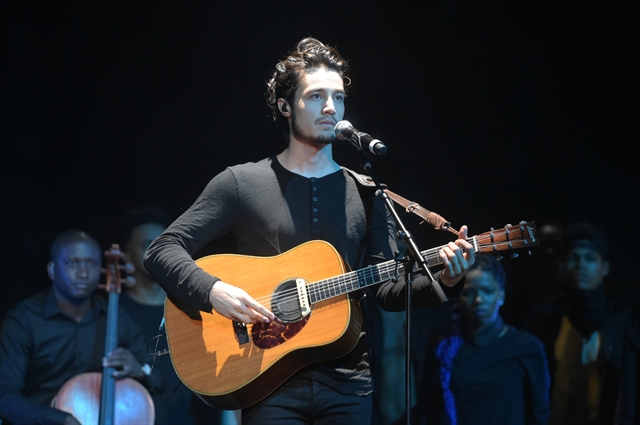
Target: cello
98	397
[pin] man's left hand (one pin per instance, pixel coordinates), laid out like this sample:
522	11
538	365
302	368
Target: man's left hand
457	257
124	362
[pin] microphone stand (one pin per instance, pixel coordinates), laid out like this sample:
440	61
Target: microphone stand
415	257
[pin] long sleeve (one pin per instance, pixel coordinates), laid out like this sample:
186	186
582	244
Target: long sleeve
629	399
392	295
15	350
170	257
537	406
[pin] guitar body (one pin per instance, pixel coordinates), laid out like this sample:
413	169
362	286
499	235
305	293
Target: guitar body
230	367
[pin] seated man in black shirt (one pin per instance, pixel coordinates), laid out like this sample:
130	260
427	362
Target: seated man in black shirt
53	336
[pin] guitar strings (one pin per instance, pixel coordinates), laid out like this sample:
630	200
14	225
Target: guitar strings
332	285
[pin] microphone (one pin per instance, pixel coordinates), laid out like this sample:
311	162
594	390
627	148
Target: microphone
345	131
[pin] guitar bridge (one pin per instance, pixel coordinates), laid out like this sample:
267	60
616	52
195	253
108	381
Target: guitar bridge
303	297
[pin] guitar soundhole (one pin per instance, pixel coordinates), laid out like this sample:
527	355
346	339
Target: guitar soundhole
269	335
285	304
289	318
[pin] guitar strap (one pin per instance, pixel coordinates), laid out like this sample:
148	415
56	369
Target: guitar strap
432	218
367	193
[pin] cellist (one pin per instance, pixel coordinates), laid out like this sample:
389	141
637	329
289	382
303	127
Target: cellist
59	333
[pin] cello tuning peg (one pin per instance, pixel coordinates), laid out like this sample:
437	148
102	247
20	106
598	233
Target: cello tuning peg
129	268
130	282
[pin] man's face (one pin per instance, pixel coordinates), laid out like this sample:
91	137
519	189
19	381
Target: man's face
586	268
141	238
481	297
75	271
318	105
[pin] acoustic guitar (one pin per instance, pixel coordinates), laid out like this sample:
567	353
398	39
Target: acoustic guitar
231	366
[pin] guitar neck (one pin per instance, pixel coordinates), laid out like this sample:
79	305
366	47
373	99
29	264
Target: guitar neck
507	238
368	276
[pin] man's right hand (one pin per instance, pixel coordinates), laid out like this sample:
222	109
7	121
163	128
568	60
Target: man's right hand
235	304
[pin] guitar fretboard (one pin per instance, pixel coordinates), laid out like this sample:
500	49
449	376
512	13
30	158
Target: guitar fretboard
368	276
508	238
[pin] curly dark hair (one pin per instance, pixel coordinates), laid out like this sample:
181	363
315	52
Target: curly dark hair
308	56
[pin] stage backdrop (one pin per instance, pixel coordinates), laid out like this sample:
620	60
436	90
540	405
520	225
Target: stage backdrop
492	112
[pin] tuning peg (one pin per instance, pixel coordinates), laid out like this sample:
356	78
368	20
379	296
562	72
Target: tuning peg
128	268
129	282
514	255
529	252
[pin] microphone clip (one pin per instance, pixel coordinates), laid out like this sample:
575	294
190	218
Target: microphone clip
361	140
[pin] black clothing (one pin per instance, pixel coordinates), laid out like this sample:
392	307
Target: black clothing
588	312
499	377
41	348
628	412
309	401
271	210
174	409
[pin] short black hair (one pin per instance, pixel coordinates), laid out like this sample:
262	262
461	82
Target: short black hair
585	235
67	237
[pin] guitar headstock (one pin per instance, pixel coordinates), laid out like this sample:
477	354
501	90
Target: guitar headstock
523	235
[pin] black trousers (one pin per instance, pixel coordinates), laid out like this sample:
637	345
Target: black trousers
303	401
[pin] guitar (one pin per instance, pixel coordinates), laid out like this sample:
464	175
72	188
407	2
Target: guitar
231	366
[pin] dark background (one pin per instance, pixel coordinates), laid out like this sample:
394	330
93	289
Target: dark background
492	112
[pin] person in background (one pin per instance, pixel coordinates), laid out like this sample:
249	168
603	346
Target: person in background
174	403
582	327
628	410
478	369
55	335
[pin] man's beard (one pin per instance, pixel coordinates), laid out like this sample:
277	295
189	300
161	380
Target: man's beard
321	139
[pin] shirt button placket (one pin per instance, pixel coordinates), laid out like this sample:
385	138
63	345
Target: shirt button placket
315	229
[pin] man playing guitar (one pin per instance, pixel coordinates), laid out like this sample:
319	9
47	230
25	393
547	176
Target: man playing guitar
274	205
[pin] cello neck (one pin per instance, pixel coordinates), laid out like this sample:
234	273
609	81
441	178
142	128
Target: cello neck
113	286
